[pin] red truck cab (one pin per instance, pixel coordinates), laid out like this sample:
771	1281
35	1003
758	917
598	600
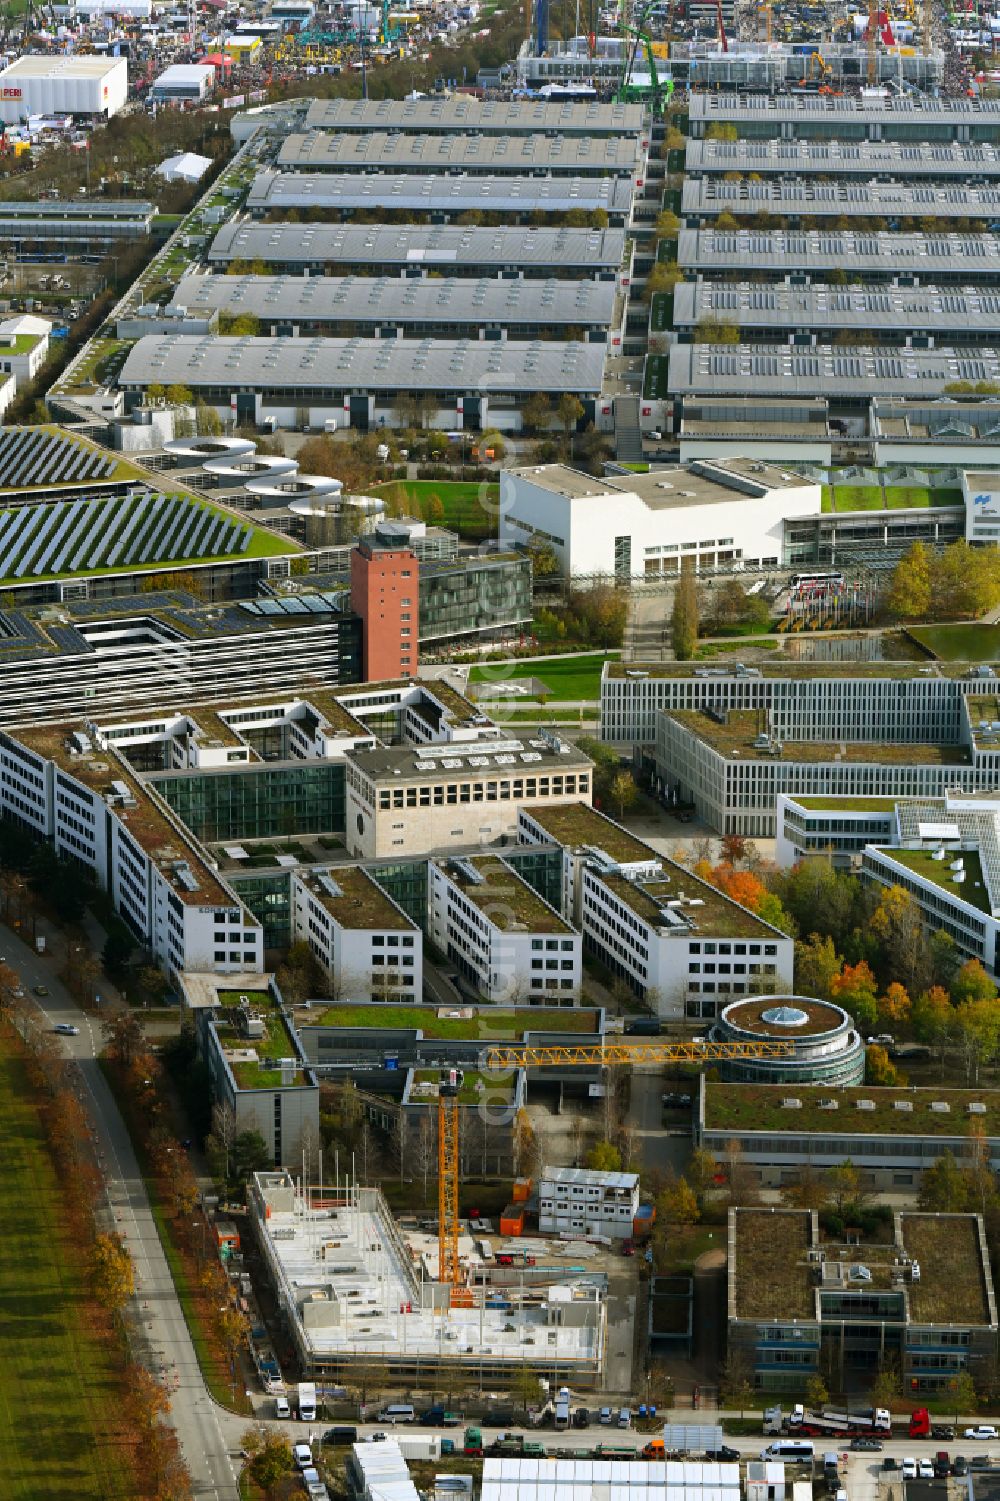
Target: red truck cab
920	1423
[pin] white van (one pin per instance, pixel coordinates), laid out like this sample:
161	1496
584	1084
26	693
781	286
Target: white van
398	1412
794	1450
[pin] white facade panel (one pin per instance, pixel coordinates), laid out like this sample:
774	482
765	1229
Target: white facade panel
62	86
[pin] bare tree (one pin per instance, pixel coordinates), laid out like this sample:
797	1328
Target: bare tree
224	1131
425	1148
398	1142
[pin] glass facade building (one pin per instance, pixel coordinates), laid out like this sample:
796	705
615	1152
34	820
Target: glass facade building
259	802
481	596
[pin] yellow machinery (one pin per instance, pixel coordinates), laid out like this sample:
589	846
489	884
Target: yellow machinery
500	1058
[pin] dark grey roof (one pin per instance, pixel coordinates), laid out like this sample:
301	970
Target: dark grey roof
321	151
911	108
436	245
461	365
818	250
460	112
420	193
826	308
882	200
938	159
379	300
765	370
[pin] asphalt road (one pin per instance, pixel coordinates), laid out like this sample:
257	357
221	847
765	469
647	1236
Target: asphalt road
197	1419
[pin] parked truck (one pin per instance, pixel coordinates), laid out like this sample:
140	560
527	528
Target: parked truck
307	1401
826	1423
562	1408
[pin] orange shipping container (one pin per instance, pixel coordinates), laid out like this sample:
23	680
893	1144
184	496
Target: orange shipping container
522	1190
512	1221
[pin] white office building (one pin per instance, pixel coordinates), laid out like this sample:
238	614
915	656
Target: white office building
368	947
709	514
680	944
580	1201
504	938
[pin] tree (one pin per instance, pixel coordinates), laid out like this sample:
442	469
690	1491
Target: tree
962	1390
663	278
668	226
145	1399
249	1155
125	1037
817	1393
111	1272
536	414
526	1147
896	926
944	957
944	1188
933	1016
880	1069
426	1147
909	596
234	1329
178	396
895	1007
972	983
269	1458
817	964
684	615
623	791
701	1172
735	1389
855	989
207	421
604	1158
809	1191
155	394
978	1031
525	1388
887	1385
569	410
844	1182
677	1203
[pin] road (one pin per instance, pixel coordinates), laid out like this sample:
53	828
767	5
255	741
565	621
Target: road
206	1433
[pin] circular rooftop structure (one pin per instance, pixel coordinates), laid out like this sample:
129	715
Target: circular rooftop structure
285	490
826	1045
318	504
197	450
241	469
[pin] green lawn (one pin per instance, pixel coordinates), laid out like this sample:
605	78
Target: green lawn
960	643
59	1384
485	1024
654	381
469	508
567	678
891	498
660	312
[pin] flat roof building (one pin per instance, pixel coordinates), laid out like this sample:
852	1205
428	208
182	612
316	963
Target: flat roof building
418	307
788	198
413	800
680	944
825	370
768	310
367	946
183	83
941	162
353	1289
479	384
507	941
578	1202
416	250
86	221
489	156
514	197
50	84
463	114
826	1045
968	258
798	1301
874	115
714	514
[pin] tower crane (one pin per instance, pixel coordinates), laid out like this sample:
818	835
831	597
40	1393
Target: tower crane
501	1057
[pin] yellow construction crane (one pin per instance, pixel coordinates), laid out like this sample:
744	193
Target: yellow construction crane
501	1058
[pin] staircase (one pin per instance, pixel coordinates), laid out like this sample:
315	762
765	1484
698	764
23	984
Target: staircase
628	437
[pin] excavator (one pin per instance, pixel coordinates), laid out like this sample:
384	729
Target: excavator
658	90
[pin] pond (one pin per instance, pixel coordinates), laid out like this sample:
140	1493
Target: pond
960	643
888	646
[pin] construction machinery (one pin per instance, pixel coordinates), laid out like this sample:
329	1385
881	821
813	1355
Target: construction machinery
500	1058
630	92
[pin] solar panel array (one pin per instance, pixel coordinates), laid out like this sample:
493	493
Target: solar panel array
34	456
80	535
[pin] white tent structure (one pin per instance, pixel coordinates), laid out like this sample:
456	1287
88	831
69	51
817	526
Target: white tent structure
185	167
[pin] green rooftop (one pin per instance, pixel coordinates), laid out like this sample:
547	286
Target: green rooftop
847	804
276	1042
484	1023
507	901
736	738
895	1112
715	916
475	1086
576	824
939	873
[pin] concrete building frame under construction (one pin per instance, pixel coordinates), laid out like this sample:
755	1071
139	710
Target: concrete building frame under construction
353	1292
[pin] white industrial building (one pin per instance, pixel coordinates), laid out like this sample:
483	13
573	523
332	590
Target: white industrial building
366	944
352	1289
612	1480
183	83
24	345
40	84
578	1201
501	934
714	514
981	492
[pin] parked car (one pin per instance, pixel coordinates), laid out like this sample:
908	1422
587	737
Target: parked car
982	1430
65	1029
302	1455
605	1418
725	1454
867	1445
281	1408
909	1469
313	1483
960	1465
925	1469
581	1418
41	990
942	1463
